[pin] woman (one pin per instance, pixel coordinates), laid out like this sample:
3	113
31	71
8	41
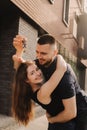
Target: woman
29	82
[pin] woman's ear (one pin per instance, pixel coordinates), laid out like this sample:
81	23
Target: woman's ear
27	81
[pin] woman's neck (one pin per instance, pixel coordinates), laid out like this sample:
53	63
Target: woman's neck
35	87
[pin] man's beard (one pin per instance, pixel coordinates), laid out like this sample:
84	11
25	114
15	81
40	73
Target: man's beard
47	63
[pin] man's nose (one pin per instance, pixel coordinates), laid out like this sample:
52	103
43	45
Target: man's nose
38	55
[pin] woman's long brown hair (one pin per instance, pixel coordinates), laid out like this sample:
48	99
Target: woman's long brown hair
22	92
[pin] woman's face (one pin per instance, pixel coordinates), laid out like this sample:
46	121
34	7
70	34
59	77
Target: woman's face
34	74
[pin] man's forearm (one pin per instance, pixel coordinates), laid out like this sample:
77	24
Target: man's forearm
62	117
69	112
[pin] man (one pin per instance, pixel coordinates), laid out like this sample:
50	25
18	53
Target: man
69	94
46	51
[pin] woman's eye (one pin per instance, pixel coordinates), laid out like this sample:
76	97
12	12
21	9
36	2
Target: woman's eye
32	73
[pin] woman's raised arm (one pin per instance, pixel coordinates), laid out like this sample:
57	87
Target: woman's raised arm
18	43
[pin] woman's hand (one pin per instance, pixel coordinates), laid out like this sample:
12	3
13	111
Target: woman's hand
19	43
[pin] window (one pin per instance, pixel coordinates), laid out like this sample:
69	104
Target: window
51	1
80	1
82	5
66	12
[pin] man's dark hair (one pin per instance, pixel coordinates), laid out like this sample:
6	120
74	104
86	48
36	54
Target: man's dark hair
45	39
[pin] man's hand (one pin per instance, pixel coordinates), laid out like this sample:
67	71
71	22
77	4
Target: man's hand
49	118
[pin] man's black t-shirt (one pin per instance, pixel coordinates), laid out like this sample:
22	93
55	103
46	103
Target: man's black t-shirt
62	91
67	88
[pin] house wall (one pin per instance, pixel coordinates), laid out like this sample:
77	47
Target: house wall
82	32
31	34
49	17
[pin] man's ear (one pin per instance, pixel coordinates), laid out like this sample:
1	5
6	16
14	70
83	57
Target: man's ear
55	52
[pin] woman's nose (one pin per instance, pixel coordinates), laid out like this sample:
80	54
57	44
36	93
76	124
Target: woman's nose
37	72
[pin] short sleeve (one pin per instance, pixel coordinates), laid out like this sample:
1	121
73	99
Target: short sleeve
68	86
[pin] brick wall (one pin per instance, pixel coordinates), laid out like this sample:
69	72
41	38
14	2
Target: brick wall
8	29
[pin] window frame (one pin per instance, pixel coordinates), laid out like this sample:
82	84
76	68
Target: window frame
66	10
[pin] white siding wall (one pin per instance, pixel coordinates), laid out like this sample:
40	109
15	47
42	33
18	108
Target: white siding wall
30	33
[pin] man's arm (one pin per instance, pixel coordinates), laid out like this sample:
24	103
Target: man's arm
69	112
68	97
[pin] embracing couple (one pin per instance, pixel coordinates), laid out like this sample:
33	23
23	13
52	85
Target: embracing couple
50	82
